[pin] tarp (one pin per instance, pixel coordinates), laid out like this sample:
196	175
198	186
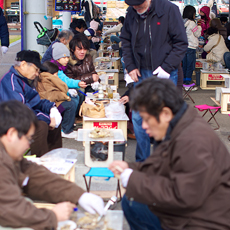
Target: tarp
1	3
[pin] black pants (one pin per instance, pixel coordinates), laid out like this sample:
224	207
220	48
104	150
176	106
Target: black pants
45	139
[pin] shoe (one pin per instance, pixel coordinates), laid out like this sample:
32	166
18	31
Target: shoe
195	88
69	135
186	88
131	136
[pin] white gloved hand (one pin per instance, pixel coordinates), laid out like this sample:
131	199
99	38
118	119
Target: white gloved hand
91	203
95	85
4	49
125	177
73	92
161	73
56	114
109	48
128	79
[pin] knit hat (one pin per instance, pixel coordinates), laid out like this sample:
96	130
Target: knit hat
134	2
89	32
59	51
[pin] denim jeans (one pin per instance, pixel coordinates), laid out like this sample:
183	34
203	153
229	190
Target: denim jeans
189	64
76	101
114	38
68	116
139	216
143	140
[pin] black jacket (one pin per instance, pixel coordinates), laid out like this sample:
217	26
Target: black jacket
4	33
167	37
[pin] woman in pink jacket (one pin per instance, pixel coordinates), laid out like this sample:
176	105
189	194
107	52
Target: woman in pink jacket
205	19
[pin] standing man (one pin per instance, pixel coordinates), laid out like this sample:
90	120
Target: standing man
154	42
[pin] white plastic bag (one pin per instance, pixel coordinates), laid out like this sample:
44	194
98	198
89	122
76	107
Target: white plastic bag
115	110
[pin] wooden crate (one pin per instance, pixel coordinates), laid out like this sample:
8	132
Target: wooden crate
112	63
211	80
225	101
113	75
112	53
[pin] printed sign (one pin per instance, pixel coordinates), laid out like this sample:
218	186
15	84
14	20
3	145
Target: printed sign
199	65
68	5
215	77
106	125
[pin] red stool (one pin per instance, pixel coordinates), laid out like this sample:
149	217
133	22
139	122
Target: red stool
209	109
187	92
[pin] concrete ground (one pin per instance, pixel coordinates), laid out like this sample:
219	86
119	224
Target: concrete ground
200	97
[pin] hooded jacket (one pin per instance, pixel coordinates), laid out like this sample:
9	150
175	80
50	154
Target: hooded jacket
186	181
167	37
4	33
52	88
13	86
193	33
205	23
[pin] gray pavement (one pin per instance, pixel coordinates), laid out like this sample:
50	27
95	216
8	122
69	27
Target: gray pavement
200	97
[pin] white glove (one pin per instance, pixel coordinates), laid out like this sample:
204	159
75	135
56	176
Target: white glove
128	79
125	177
109	48
161	73
73	92
55	113
4	49
91	203
95	85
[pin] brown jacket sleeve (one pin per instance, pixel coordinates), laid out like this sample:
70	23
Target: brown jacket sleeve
17	211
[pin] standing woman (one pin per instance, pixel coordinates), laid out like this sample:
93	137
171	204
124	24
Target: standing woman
193	33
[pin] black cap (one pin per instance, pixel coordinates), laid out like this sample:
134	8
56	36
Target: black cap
31	57
134	2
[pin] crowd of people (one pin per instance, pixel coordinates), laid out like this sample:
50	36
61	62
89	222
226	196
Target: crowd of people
183	184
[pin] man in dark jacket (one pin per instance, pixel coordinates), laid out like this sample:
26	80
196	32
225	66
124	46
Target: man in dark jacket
153	42
4	33
17	84
78	26
186	181
18	175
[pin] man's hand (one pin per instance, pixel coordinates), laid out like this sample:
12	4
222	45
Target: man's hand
117	167
63	210
134	74
4	49
54	113
82	84
91	203
52	122
124	100
95	77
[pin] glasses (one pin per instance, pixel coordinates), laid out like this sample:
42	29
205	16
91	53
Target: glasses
36	68
29	139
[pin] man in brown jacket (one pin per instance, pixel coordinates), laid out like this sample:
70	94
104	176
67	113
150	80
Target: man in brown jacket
185	183
17	126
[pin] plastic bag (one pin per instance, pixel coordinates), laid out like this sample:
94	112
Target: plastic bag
60	154
115	110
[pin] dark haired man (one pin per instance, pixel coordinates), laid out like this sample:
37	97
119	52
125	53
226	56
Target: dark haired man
184	184
17	127
153	42
78	26
17	84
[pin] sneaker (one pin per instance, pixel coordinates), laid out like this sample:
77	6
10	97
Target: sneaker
195	88
69	135
186	88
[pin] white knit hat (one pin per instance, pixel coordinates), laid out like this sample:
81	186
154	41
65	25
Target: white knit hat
59	51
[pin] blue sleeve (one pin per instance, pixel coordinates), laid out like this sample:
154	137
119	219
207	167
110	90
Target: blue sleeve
48	55
71	83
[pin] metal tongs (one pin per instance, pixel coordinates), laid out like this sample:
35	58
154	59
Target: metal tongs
112	201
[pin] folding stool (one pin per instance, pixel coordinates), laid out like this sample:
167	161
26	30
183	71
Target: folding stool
101	172
187	93
209	109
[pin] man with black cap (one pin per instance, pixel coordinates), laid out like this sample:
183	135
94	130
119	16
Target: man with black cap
154	42
18	84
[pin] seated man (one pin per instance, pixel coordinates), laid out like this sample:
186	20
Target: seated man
186	181
17	84
17	126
